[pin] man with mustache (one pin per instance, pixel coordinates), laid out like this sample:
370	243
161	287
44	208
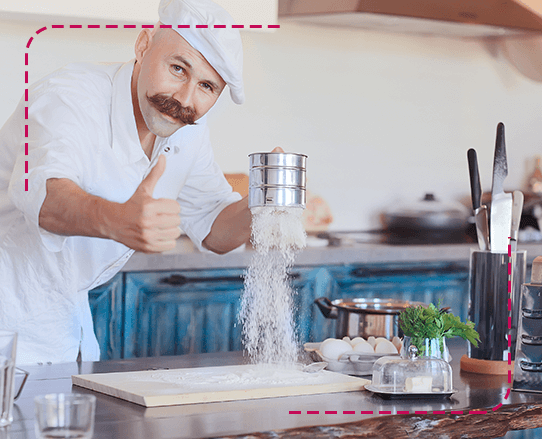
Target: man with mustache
117	159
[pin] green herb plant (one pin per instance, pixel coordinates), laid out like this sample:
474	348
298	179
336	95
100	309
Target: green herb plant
421	322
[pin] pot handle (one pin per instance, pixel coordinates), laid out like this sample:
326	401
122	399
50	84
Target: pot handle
326	307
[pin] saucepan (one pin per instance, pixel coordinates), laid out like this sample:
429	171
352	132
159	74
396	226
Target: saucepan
428	216
362	317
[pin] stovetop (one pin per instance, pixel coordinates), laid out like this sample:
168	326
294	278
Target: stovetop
405	238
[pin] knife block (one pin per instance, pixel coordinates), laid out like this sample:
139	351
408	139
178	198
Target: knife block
528	367
488	309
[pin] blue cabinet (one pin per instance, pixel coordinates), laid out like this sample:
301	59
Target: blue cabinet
106	305
173	313
423	282
428	282
140	314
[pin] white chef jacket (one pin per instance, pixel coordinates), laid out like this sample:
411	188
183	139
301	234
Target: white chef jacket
81	126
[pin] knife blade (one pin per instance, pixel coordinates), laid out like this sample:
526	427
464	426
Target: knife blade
480	212
501	202
517	209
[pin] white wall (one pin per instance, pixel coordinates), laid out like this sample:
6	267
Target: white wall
383	117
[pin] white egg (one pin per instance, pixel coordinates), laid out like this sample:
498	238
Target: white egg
333	348
364	348
347	339
397	343
357	340
385	347
379	339
372	341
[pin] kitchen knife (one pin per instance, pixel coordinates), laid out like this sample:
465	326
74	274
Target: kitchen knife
480	212
501	202
517	208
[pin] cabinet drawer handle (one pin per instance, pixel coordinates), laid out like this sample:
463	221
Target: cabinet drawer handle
529	366
531	340
179	279
408	271
532	313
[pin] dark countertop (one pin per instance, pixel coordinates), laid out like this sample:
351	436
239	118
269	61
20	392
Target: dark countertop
119	419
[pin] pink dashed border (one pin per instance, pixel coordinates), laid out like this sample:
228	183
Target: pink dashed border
271	26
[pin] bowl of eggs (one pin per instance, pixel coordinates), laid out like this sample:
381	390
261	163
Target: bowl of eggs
353	356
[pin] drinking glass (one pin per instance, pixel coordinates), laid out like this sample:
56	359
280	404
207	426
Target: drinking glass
64	415
8	348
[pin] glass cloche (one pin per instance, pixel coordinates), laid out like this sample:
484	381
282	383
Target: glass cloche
413	375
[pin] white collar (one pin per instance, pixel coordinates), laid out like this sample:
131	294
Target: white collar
125	139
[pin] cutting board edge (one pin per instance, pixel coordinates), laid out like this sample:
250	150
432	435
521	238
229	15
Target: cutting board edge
100	388
244	395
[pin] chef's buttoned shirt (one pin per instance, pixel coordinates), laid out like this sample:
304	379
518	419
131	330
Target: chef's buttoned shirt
81	126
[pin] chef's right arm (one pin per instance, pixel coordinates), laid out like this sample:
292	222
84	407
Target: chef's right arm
142	223
48	183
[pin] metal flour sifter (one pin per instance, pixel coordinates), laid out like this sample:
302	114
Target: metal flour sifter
277	179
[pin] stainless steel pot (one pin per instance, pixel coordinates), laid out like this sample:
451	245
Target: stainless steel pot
365	317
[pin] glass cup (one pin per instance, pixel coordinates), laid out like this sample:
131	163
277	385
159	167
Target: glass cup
8	348
64	415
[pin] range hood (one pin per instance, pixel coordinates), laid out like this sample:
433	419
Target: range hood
453	18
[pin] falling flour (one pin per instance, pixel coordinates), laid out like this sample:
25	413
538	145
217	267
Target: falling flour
267	302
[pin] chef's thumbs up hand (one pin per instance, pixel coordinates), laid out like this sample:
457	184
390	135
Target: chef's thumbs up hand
147	224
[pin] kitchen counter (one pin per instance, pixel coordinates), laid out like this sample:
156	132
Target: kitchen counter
315	416
186	257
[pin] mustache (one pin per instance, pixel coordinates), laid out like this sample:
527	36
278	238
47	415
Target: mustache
172	108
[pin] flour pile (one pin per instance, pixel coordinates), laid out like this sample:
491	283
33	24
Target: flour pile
267	302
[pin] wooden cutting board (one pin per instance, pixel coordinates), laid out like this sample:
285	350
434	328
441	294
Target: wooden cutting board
213	384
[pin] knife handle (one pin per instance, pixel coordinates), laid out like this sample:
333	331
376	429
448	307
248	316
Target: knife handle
475	187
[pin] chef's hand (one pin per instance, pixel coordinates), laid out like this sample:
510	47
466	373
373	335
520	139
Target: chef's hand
147	224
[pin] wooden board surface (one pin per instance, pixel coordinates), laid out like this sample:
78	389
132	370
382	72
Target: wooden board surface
212	384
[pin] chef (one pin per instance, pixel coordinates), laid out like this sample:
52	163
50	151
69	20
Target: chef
117	159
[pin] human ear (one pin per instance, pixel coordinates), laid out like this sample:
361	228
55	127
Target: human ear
142	44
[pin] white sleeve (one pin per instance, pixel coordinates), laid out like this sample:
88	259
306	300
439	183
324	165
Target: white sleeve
205	194
55	139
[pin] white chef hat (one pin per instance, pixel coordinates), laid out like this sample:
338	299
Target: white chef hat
221	47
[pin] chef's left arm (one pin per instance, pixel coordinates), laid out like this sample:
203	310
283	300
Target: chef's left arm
230	229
